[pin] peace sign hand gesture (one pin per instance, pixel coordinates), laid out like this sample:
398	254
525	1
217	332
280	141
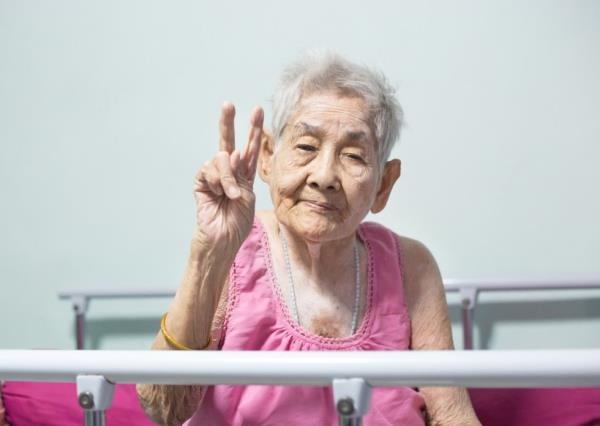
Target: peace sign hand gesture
223	187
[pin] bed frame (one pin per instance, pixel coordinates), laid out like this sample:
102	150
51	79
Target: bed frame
351	374
468	289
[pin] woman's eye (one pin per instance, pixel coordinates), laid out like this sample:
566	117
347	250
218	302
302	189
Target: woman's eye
305	147
355	157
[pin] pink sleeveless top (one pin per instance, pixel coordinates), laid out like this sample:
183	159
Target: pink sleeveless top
258	319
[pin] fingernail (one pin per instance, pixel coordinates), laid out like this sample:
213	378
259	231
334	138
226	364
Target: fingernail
257	115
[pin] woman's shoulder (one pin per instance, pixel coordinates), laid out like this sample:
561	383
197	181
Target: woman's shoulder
410	246
415	257
422	278
414	250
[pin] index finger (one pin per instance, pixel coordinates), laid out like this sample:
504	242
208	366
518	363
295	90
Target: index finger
226	129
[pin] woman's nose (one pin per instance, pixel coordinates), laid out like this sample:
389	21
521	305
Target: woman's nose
323	174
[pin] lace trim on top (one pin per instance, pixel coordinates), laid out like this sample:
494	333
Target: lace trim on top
335	342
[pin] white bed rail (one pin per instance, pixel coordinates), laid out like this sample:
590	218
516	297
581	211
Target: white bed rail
351	374
469	291
490	368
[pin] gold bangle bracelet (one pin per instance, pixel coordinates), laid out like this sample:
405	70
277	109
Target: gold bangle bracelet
171	341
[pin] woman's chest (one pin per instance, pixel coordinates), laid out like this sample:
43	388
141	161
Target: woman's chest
321	315
333	313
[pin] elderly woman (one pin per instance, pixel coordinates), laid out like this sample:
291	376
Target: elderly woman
308	275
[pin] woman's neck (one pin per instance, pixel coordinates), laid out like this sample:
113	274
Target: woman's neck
322	262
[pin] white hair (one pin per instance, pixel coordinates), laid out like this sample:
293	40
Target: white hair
322	71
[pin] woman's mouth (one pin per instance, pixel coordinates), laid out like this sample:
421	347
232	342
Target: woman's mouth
320	207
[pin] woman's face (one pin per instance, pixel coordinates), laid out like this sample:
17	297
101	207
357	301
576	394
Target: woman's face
324	172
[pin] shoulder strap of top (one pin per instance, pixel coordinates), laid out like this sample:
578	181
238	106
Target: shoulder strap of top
384	247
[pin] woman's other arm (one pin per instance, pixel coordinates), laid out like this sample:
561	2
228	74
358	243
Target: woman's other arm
426	300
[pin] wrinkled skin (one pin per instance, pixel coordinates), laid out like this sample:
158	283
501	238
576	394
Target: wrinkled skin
323	174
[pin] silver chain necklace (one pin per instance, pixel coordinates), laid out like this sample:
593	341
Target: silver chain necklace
288	268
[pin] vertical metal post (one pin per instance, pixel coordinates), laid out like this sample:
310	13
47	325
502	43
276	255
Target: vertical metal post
468	300
94	394
352	399
80	304
95	418
349	421
80	330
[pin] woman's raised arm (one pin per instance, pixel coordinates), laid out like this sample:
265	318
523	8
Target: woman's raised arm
225	201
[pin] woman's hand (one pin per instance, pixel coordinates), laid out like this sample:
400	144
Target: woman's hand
224	185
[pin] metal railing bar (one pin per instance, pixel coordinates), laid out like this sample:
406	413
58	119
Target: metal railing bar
493	368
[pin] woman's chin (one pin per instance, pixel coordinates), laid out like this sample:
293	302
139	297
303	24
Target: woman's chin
315	229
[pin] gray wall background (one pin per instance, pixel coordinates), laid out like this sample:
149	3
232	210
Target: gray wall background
108	108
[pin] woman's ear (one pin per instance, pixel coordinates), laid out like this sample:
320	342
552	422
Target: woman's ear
391	173
265	155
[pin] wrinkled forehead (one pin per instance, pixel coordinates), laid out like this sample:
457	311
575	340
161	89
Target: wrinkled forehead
325	114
